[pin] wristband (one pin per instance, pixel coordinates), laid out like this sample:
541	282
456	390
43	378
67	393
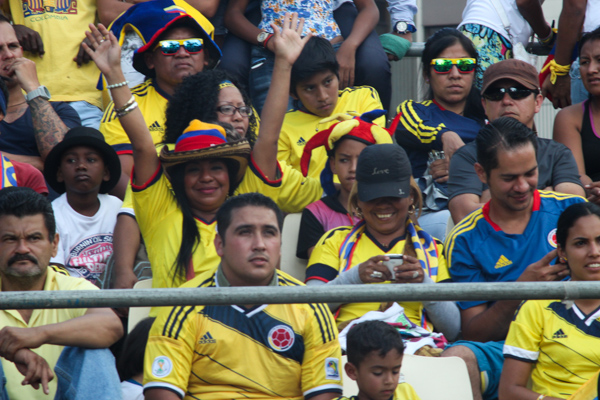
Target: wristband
548	39
267	40
118	85
556	70
127	110
125	106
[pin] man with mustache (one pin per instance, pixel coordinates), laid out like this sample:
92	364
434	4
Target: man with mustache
244	351
32	342
511	238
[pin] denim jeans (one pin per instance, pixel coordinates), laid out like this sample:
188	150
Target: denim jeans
82	374
89	114
261	71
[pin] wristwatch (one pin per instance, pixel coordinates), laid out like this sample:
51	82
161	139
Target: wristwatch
262	36
42	92
403	27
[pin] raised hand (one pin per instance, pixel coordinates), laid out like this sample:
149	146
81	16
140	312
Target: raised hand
287	42
104	49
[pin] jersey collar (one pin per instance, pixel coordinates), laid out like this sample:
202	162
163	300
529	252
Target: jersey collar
485	210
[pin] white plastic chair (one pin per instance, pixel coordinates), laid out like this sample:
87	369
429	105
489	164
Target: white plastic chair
136	314
435	378
291	264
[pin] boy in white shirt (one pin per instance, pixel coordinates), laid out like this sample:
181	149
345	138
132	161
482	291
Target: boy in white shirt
83	168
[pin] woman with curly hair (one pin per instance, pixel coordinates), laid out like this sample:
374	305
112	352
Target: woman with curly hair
221	100
177	194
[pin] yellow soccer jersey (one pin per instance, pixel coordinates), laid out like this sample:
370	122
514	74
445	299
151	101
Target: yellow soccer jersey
560	340
152	103
62	26
289	189
325	264
160	222
273	351
41	317
299	126
404	391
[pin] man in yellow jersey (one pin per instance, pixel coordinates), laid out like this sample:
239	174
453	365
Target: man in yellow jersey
511	238
268	351
28	240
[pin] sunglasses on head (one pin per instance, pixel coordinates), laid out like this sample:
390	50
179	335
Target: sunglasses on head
444	65
515	93
171	46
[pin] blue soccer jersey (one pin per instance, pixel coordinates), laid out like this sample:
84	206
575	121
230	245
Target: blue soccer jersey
477	250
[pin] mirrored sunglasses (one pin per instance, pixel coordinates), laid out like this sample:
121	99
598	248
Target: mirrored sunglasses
444	65
515	93
171	46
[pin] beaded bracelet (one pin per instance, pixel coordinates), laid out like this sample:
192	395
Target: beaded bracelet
128	104
118	85
127	110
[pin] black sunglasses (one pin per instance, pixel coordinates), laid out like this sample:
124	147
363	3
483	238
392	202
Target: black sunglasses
515	93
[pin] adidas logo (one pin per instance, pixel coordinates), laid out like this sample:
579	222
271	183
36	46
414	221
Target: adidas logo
559	334
155	127
502	262
207	339
301	142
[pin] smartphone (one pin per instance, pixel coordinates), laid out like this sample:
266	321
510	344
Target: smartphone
394	261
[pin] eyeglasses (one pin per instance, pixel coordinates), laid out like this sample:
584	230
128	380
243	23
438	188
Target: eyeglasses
444	65
171	47
245	111
515	93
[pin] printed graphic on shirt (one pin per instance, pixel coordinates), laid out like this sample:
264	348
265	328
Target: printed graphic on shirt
502	262
89	256
38	7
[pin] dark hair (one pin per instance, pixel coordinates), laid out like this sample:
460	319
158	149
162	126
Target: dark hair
569	217
4	18
317	56
437	43
197	98
503	133
371	336
190	235
588	37
131	360
245	200
23	202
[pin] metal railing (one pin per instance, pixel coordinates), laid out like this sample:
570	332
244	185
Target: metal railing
299	294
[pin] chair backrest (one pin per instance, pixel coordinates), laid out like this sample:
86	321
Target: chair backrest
436	378
433	378
136	314
291	264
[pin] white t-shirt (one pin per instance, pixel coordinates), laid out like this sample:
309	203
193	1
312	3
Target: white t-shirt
132	390
85	242
592	15
484	13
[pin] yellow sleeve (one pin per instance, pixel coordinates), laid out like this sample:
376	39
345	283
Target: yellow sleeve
324	262
113	131
404	391
284	149
321	363
525	332
170	349
442	272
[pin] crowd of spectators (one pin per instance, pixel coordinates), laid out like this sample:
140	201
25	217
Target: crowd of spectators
178	134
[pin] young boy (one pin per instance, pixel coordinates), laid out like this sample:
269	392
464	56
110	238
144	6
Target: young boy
83	168
314	87
375	351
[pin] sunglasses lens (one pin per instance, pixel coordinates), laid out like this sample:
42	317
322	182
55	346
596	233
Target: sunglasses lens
518	94
169	46
193	45
497	94
442	65
465	65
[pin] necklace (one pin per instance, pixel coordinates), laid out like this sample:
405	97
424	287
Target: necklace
18	104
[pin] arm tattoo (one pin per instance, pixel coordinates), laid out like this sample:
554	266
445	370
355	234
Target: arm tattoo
48	128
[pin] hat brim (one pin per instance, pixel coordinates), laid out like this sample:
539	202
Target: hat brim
368	191
238	151
110	157
139	63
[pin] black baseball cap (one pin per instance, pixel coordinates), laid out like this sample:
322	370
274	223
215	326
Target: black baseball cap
383	170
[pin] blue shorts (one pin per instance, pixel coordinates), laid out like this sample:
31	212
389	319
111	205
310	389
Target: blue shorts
490	359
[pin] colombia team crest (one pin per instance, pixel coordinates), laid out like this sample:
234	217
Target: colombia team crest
37	7
281	338
552	238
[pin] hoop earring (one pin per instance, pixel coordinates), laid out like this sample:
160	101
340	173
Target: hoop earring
411	209
359	213
562	260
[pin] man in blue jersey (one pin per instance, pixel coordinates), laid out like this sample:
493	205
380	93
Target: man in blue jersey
511	238
290	351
